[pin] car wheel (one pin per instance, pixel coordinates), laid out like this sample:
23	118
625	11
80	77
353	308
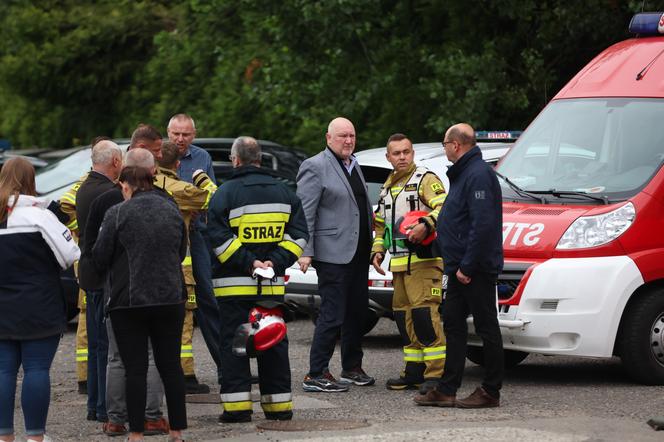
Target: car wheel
641	338
512	357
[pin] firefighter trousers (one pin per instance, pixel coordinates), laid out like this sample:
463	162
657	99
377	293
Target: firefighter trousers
274	376
81	340
187	349
415	303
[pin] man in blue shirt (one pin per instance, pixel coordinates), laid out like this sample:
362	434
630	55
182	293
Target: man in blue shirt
182	131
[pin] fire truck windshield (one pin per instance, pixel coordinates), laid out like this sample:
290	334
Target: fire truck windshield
607	147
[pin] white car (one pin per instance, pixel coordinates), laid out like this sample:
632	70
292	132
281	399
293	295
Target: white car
302	288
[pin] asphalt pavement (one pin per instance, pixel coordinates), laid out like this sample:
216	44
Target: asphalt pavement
544	398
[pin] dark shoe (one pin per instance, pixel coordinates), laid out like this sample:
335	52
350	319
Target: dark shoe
192	386
83	387
152	428
92	416
478	399
356	376
428	384
435	398
325	383
279	416
235	417
402	383
111	429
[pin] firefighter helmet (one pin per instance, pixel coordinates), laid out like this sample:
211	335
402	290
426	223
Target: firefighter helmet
412	218
265	329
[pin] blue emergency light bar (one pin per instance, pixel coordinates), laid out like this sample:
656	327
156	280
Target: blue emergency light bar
497	135
647	23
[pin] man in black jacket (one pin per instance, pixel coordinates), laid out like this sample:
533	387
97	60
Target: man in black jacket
106	166
470	238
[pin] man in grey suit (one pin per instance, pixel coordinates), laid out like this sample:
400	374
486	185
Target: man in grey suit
334	198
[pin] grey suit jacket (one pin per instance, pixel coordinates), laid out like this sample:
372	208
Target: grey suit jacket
330	208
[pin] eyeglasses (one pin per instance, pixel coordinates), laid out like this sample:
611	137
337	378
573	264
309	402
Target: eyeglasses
447	142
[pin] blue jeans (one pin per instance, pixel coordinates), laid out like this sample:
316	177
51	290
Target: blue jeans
36	356
97	353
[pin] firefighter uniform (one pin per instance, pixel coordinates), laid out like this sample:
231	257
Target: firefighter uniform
68	206
253	217
417	273
190	199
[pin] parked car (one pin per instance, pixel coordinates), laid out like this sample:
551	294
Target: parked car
37	163
56	178
302	288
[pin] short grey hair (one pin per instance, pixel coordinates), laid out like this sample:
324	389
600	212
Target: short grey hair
104	151
181	117
139	157
246	150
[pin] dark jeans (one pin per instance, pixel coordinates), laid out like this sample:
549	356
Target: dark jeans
344	303
479	299
163	326
207	313
97	352
36	356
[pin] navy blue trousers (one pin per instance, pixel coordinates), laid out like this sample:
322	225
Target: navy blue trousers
344	293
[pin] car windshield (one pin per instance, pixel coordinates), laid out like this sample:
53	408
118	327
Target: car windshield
374	177
605	147
63	173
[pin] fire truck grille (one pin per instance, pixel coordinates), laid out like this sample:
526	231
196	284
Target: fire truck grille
510	278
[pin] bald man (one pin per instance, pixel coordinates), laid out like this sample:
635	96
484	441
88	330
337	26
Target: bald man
334	198
471	241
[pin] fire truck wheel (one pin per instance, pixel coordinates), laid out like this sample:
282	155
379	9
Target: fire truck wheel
512	357
641	338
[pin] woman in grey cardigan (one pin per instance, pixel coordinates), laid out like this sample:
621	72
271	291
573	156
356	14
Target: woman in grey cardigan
141	244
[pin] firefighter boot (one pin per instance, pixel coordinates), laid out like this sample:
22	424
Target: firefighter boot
410	379
192	386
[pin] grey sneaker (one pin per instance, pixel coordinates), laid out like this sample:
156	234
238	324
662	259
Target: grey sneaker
325	383
356	376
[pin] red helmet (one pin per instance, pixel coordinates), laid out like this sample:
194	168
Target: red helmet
265	329
412	218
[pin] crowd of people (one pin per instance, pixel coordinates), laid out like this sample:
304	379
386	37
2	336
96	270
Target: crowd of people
159	243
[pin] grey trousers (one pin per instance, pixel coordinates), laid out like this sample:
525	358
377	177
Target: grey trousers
116	405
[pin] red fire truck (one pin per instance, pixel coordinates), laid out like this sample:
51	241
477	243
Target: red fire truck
583	215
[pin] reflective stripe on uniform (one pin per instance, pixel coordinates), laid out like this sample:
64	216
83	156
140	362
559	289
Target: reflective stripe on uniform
81	354
403	260
295	246
236	401
433	202
226	250
186	351
276	408
247	286
73	225
274	403
259	213
412	355
249	290
233	281
380	219
186	261
275	398
432	353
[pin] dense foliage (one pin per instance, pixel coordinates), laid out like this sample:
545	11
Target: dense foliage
70	70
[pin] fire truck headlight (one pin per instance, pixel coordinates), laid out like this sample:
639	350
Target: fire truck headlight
593	231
